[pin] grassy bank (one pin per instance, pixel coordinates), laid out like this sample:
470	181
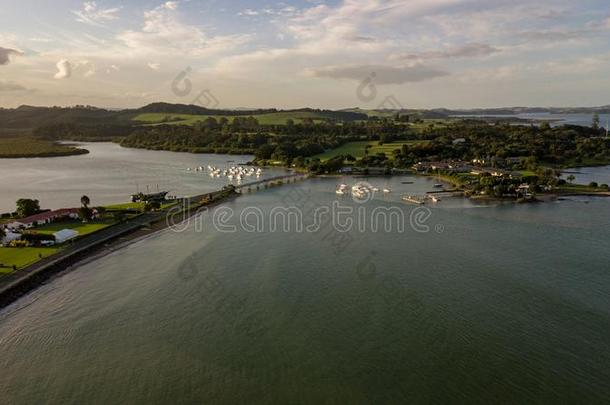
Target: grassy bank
22	257
27	147
357	149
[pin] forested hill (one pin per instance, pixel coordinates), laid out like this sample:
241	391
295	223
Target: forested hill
191	109
33	117
18	120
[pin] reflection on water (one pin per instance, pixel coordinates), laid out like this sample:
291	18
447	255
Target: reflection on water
109	174
585	175
504	304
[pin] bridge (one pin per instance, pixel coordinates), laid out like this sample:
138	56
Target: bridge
271	181
249	187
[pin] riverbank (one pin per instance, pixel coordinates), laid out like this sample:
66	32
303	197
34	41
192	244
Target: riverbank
19	283
26	147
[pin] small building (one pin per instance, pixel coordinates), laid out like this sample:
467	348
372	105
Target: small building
65	235
9	237
43	218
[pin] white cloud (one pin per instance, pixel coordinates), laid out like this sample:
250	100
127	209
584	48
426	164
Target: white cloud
6	55
248	12
171	5
164	34
154	65
93	15
64	69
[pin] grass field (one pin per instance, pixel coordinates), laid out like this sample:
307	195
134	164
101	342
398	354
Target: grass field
82	229
125	206
22	257
31	147
136	206
356	149
278	118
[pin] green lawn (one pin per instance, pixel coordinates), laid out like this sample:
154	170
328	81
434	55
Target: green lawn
356	149
125	206
579	188
22	257
82	229
136	206
527	173
278	118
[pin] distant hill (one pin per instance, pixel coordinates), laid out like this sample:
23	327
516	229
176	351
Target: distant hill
14	121
25	117
166	108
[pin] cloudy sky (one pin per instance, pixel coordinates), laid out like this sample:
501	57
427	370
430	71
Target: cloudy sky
328	54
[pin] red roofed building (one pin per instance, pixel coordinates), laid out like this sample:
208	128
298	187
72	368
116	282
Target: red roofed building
43	218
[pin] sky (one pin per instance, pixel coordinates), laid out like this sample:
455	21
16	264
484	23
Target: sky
306	53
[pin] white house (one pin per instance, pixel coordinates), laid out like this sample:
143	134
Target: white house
9	237
43	218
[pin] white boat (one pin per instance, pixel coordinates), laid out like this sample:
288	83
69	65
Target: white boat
339	191
188	169
375	189
435	199
387	190
412	199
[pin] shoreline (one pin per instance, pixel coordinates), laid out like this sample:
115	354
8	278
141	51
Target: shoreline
16	285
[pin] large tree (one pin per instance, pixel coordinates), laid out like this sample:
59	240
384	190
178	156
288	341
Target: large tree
27	207
595	124
85	201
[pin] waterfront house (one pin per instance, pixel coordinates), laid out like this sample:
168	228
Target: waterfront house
43	218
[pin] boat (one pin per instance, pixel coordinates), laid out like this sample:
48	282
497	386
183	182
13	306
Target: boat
387	190
406	182
375	189
188	169
435	199
412	199
339	191
439	185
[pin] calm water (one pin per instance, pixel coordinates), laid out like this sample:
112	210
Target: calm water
109	174
495	304
556	119
585	175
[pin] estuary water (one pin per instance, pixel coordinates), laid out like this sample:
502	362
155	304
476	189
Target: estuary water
109	174
464	304
554	119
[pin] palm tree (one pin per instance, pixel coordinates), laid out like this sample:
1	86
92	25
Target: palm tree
85	201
